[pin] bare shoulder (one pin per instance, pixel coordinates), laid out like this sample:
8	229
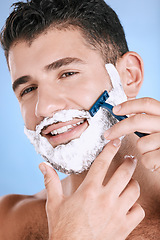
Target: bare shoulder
23	217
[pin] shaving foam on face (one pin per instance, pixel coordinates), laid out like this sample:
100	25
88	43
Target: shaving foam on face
117	94
78	155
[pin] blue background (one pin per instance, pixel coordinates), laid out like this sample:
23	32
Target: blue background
19	162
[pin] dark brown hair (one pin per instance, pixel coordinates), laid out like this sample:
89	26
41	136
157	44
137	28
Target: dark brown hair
98	23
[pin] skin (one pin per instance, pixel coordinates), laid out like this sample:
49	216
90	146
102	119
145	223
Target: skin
149	145
60	89
101	212
108	194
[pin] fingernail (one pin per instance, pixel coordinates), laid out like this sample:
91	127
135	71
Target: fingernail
48	164
42	169
116	142
117	108
131	157
107	133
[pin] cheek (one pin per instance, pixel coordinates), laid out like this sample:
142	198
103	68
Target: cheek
88	90
28	114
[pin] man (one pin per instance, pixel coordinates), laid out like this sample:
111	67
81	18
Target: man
56	53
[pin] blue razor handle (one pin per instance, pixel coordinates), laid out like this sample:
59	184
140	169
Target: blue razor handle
94	109
101	102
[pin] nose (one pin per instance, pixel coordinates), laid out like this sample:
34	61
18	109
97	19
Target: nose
49	101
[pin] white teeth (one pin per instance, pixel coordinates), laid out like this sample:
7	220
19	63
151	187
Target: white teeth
65	128
80	122
54	132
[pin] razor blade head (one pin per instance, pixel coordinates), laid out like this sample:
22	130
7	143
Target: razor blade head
94	109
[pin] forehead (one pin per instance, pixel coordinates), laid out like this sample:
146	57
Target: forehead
48	47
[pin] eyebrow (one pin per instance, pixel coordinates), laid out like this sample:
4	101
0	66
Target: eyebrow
53	66
63	62
20	81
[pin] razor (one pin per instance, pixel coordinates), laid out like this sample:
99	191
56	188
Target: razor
101	102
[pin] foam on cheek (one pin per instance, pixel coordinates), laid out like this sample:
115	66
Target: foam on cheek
117	94
78	155
62	116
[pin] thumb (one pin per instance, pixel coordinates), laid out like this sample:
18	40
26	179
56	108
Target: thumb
52	183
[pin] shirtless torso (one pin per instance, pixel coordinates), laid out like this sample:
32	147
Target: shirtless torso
24	218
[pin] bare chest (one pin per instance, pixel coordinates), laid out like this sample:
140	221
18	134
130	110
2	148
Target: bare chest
148	230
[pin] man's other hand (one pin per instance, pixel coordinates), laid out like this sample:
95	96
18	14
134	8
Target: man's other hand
95	211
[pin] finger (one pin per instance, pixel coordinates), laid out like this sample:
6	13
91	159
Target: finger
136	214
52	184
141	105
100	166
139	122
151	160
149	143
130	195
122	176
134	217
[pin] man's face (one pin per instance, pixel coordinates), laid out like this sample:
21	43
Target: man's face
58	71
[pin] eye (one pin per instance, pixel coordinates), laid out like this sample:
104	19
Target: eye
68	74
28	90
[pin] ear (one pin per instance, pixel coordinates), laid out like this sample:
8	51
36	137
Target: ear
131	71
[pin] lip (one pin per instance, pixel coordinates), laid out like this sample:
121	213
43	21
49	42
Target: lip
56	126
65	137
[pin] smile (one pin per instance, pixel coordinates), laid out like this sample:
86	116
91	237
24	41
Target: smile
65	128
64	132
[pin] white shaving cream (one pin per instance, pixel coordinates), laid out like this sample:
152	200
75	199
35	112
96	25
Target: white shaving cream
78	155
